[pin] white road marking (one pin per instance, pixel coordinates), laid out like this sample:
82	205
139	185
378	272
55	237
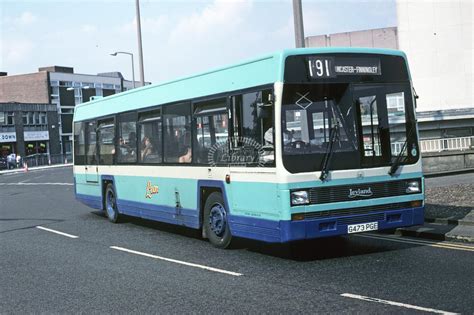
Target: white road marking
177	261
444	245
57	232
414	307
36	184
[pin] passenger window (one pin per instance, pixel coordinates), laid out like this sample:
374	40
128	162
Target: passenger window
91	143
211	133
106	132
79	143
127	139
177	133
253	130
150	135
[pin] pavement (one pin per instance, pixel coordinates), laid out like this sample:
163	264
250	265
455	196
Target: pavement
22	170
449	211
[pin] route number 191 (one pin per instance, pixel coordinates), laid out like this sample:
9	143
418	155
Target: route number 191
320	67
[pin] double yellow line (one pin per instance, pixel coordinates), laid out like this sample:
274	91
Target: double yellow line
399	239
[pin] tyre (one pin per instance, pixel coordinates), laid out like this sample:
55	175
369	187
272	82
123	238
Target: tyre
215	221
111	204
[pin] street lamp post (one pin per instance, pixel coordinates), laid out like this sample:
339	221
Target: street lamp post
140	50
133	69
298	19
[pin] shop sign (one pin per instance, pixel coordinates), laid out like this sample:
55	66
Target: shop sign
36	135
7	137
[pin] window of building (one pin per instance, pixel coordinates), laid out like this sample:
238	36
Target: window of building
79	143
150	135
127	142
10	119
43	118
106	133
66	123
177	133
211	132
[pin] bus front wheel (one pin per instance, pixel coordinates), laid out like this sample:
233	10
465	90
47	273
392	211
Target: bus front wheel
215	221
111	204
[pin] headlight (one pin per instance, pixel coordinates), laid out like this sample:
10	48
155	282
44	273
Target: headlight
299	198
413	187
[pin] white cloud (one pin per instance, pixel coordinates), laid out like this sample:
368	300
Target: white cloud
151	25
220	19
16	51
88	28
26	18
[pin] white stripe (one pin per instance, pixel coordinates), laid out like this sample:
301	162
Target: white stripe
57	232
371	299
177	261
36	184
422	242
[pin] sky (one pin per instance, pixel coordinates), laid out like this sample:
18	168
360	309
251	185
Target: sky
179	37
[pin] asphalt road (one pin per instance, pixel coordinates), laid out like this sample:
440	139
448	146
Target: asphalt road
442	181
146	267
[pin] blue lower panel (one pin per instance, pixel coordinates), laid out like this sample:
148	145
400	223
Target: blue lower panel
286	231
186	217
91	201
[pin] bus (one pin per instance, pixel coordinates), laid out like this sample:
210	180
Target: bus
300	144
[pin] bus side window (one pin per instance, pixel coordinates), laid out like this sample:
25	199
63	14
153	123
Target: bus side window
106	132
91	142
177	133
79	143
211	132
253	136
127	139
150	136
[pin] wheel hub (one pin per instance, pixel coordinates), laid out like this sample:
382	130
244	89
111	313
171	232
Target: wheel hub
111	204
217	219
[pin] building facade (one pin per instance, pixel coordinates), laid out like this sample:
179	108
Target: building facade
64	89
29	128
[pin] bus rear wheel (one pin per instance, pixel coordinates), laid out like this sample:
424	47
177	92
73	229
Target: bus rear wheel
111	209
215	221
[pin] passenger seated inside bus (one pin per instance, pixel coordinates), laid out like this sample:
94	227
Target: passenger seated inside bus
187	157
147	149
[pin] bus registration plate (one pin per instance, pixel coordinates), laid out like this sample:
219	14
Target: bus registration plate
364	227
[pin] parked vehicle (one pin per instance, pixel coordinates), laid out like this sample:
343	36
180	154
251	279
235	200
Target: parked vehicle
3	163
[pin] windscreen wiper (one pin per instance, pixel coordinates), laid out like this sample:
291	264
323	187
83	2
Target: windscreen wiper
333	135
396	164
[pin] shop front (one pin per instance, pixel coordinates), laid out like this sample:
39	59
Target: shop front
36	142
7	143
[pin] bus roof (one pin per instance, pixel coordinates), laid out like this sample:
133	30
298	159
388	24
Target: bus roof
260	71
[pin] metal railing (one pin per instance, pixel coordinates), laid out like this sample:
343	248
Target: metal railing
447	144
45	159
430	145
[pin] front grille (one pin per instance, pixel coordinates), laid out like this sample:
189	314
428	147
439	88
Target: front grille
321	195
362	219
356	211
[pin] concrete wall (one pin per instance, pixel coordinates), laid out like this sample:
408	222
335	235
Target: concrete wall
438	37
379	38
448	161
25	88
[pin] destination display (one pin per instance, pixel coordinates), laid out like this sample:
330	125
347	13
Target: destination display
331	67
